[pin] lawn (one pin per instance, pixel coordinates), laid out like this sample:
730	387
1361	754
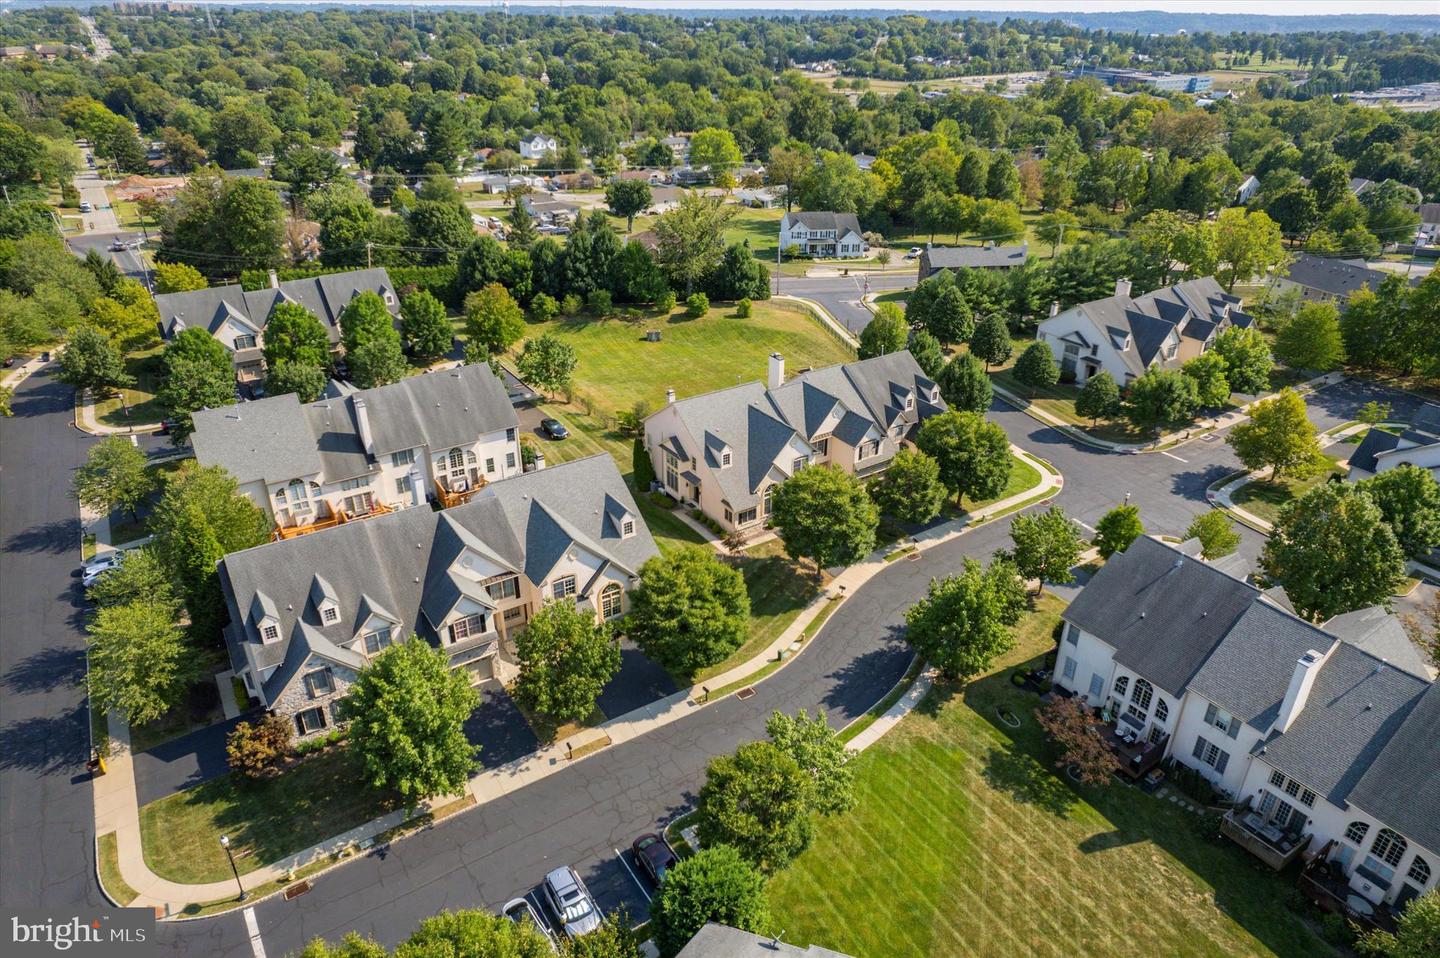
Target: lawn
779	589
1265	497
996	856
265	821
1023	476
199	708
143	408
109	863
1059	400
760	227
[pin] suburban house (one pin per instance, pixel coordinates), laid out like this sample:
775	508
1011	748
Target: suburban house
1248	189
722	941
237	317
442	436
762	198
989	256
1324	737
679	145
1328	280
863	161
726	451
1418	444
1429	232
538	146
1125	336
306	614
817	233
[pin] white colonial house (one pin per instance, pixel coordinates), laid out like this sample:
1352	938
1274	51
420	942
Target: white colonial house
442	436
1326	739
308	613
816	233
1124	336
1416	445
538	146
726	451
237	317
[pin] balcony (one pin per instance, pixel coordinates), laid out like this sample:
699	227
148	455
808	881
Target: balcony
1324	882
1274	846
458	492
330	518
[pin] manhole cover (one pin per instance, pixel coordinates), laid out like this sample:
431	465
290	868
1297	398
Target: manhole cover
295	891
745	693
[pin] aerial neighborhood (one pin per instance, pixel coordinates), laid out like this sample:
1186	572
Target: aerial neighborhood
618	483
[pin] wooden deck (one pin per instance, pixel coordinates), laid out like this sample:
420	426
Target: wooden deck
1136	758
1323	883
450	498
336	518
1271	845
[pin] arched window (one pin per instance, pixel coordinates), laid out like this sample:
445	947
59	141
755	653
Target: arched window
1141	695
1355	832
610	601
457	459
1389	847
1419	872
1162	711
1121	684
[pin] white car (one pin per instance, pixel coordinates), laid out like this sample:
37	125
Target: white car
95	568
914	253
570	900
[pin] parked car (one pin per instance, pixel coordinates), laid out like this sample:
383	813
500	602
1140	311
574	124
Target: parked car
519	910
119	246
554	428
914	253
85	207
91	572
654	855
568	897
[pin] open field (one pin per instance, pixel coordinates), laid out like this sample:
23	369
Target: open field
997	856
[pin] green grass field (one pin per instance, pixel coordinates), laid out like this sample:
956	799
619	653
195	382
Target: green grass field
140	400
265	821
964	842
1265	498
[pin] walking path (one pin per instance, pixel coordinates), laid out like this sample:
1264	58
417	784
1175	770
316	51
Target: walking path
85	421
913	696
1222	492
117	809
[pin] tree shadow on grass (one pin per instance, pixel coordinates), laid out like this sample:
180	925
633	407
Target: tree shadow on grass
46	671
1010	769
1105	841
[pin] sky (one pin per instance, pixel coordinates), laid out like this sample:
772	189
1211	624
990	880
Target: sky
1307	8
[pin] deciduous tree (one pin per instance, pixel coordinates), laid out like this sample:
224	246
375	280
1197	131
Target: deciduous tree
1047	546
566	658
140	662
886	333
293	334
493	318
1207	371
113	476
90	361
974	455
910	490
991	341
626	198
1161	397
1333	552
547	362
1278	434
1310	340
964	621
714	885
1117	529
1099	398
306	382
258	750
1216	533
691	610
825	515
1247	359
1036	368
759	800
820	753
1083	749
1409	500
407	711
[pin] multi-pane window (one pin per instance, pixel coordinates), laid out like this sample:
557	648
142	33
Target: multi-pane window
1211	754
746	516
800	463
1419	872
507	588
768	500
509	460
330	614
627	528
1070	665
403	485
404	457
466	627
457	460
610	601
271	633
489	465
1389	847
350	484
672	471
376	640
725	460
319	682
1277	779
563	587
310	720
245	341
510	435
1121	684
1141	696
1355	831
1162	711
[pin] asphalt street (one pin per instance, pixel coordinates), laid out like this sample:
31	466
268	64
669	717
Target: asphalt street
841	295
581	815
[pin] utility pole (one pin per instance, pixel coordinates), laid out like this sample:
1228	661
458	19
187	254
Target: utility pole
777	268
369	263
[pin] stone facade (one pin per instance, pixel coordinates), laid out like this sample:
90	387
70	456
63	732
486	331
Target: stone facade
297	697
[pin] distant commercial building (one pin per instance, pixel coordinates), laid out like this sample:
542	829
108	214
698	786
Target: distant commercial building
1126	79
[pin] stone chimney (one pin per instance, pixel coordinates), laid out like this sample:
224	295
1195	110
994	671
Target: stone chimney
777	371
1307	667
670	396
1054	307
274	280
1122	287
362	422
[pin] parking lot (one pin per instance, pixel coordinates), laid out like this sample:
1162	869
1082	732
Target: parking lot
614	880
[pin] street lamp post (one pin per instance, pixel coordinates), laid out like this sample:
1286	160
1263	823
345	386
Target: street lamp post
225	844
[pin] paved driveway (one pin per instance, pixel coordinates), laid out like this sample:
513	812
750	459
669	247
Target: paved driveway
183	762
638	683
498	727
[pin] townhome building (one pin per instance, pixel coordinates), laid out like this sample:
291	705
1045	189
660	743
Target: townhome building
1322	279
308	613
989	256
1124	335
1325	738
726	451
237	317
823	234
442	436
1418	445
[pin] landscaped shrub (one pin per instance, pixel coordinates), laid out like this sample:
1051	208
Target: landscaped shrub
258	751
543	308
1192	783
662	499
665	302
743	308
697	305
571	305
600	303
643	470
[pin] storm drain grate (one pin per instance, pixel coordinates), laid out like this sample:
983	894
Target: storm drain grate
745	693
913	557
295	891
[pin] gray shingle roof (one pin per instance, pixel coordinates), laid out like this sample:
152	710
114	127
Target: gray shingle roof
1375	442
417	545
1332	276
276	439
1163	612
1402	785
722	941
825	220
974	257
1248	673
326	296
1355	707
1382	634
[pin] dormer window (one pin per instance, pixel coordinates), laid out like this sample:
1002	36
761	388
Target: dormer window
270	633
330	615
909	402
725	459
244	342
627	528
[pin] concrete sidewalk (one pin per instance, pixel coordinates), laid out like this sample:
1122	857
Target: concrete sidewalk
117	809
1221	494
85	420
